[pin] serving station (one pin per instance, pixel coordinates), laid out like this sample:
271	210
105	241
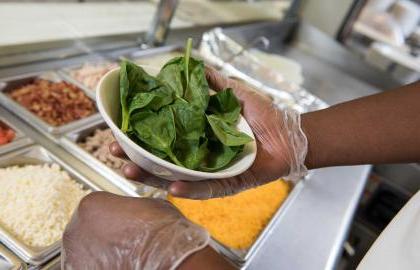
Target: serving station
308	230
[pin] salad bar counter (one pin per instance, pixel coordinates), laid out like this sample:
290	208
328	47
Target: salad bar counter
309	222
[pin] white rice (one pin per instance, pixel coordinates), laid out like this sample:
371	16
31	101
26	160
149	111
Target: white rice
37	201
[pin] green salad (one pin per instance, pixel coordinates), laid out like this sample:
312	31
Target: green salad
173	116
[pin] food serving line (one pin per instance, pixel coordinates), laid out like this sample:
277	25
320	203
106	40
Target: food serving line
306	233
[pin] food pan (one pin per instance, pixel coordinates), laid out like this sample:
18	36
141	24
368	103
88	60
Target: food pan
240	257
15	82
143	54
53	264
70	143
66	74
19	141
36	155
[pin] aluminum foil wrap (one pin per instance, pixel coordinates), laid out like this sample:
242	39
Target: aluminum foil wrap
236	61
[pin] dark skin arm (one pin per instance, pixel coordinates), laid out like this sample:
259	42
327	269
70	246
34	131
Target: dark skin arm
378	129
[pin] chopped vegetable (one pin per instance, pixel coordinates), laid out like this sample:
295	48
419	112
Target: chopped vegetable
6	134
173	116
57	103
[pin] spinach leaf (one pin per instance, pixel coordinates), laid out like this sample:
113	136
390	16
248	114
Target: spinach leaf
139	80
133	80
124	86
191	152
197	91
220	156
157	130
172	74
190	121
226	133
196	88
154	100
187	55
155	152
225	105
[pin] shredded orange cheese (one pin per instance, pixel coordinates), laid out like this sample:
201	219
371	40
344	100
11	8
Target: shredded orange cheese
236	221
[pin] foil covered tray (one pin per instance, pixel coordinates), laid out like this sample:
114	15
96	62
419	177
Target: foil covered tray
234	60
52	132
37	155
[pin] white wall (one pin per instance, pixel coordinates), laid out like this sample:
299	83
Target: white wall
327	15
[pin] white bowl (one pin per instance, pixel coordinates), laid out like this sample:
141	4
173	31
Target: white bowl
108	101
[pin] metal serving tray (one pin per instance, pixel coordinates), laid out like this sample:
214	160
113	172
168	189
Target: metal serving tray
65	73
9	260
19	141
239	257
142	54
70	143
37	155
47	129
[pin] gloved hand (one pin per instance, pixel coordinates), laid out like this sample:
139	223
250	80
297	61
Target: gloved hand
108	231
281	147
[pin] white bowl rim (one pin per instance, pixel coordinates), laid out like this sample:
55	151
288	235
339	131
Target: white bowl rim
167	164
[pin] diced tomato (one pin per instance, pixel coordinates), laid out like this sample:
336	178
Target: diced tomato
10	135
3	140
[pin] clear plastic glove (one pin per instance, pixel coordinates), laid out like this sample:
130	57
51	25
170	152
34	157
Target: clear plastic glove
108	231
281	147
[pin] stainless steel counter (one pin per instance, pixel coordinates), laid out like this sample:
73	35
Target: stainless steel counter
310	234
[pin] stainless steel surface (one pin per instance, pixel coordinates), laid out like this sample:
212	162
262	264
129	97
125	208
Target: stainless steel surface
405	176
37	155
69	142
138	54
54	264
11	83
11	261
20	139
160	27
311	234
